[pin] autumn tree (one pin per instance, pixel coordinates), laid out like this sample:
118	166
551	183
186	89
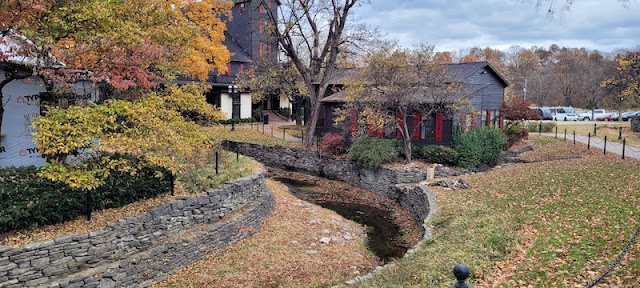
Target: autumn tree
267	78
624	84
394	84
312	34
516	110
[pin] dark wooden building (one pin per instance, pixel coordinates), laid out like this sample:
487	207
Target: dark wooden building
481	83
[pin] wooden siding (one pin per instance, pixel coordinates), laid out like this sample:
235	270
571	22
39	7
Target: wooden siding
491	96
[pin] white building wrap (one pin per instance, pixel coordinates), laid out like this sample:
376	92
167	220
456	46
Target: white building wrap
21	99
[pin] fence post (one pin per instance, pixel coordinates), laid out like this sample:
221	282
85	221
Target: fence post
302	136
556	131
233	125
540	128
461	272
284	130
237	152
89	204
262	128
216	162
565	134
595	129
271	131
624	147
574	137
605	144
619	133
589	142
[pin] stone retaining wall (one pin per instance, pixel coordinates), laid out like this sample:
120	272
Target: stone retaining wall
399	184
635	124
138	251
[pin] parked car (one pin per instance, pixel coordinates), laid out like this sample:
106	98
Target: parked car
614	115
584	116
628	115
565	114
546	114
596	114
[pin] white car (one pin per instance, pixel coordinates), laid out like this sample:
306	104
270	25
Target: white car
565	114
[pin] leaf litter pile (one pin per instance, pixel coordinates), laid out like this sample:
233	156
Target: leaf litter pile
545	224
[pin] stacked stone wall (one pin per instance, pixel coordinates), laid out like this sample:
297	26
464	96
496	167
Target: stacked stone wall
635	124
140	250
399	184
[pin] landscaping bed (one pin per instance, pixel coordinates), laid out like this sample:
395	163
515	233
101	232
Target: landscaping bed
546	224
196	181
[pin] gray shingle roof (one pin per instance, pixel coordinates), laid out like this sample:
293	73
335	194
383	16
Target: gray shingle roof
237	54
462	71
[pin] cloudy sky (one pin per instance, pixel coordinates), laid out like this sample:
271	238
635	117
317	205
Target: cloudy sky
454	25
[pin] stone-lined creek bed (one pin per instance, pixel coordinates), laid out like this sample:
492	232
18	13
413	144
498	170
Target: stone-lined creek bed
391	229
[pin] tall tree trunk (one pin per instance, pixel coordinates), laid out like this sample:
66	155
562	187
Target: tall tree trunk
2	101
406	138
311	124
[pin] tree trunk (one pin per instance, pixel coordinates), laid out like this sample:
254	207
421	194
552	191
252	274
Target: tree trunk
406	138
311	124
298	106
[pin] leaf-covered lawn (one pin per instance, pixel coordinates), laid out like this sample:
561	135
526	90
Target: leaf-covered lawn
609	129
547	224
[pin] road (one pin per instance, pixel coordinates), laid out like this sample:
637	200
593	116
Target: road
600	123
598	143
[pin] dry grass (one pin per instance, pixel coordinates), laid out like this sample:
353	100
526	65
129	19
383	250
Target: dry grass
279	255
249	135
608	129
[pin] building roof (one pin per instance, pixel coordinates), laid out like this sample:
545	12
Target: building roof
340	76
19	50
237	54
462	71
339	97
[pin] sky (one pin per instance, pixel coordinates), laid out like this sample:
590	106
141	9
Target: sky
456	25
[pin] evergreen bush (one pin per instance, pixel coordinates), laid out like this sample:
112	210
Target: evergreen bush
371	152
440	154
478	148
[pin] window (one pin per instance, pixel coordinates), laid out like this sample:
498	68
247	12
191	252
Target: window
229	69
483	119
260	49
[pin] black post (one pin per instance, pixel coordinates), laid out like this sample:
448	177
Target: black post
540	128
589	142
595	129
262	128
624	147
89	205
216	162
574	137
619	133
556	131
271	131
233	125
605	144
302	136
284	130
173	186
461	272
237	152
565	134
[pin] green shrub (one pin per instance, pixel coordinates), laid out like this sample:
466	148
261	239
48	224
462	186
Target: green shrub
479	147
237	121
284	111
29	201
547	127
440	154
371	153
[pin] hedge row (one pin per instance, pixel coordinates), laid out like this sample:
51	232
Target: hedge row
30	201
478	148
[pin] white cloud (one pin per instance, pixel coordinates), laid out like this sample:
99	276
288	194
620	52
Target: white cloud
452	25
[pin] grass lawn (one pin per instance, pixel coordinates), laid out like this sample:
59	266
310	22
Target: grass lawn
286	252
547	224
610	129
293	130
249	135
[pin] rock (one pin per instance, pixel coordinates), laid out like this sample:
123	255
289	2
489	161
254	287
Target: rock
325	240
348	237
337	239
452	184
326	231
312	252
313	221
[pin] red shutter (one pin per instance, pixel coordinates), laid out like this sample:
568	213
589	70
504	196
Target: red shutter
381	132
354	122
439	126
260	27
372	132
260	49
416	129
489	118
463	121
401	123
241	68
269	49
474	121
501	121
